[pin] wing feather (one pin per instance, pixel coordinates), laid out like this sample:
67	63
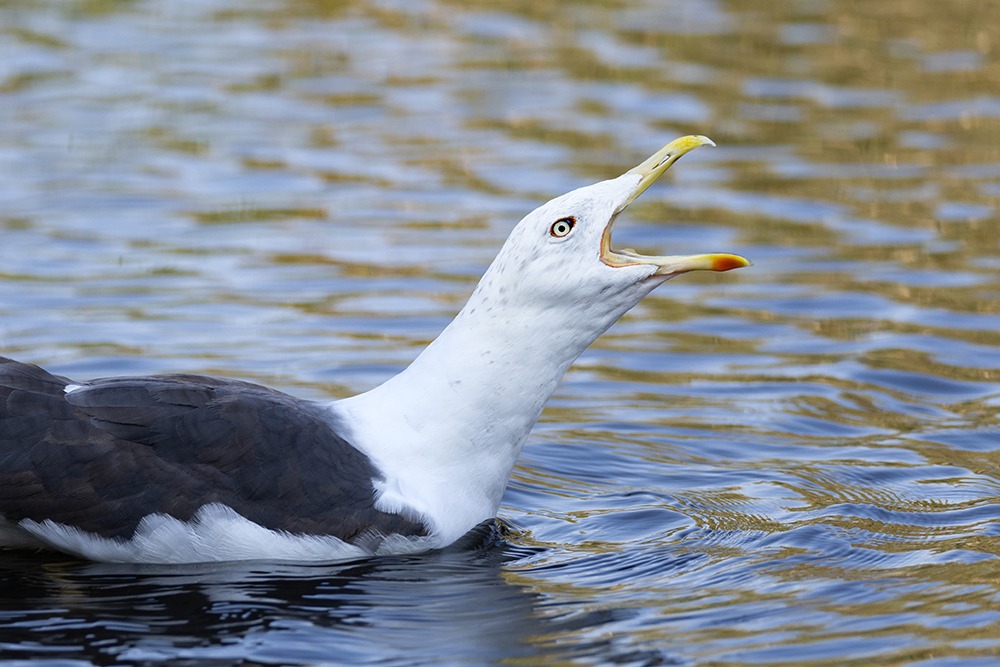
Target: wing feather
108	453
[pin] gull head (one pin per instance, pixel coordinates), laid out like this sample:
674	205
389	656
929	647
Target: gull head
561	256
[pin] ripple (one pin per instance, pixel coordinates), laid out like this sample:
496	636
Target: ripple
790	464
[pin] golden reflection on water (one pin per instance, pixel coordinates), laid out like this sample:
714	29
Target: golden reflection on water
304	192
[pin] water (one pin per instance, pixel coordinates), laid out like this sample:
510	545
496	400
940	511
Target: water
791	464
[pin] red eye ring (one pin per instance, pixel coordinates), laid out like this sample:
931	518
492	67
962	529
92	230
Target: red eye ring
562	227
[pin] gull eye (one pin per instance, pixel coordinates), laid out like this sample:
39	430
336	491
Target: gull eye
562	227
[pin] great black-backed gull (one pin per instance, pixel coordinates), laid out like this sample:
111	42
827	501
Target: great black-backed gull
184	468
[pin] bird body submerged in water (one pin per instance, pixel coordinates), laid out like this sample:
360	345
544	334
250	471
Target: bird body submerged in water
184	468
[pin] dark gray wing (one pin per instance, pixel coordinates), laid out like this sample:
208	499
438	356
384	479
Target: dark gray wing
103	456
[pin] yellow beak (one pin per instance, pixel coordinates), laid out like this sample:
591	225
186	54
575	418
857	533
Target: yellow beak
650	170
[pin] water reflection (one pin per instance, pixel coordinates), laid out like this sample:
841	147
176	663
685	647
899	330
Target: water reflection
460	603
796	464
460	606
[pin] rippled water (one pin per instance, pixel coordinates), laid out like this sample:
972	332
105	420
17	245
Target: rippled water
795	463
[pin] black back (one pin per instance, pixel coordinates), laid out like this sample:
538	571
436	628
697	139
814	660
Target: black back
102	457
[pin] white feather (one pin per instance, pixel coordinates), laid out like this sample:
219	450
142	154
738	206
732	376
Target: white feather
447	431
215	533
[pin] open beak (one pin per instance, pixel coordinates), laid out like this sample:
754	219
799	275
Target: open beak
667	265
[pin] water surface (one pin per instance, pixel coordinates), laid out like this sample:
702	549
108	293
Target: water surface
791	464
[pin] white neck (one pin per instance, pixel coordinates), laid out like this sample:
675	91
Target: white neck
447	430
